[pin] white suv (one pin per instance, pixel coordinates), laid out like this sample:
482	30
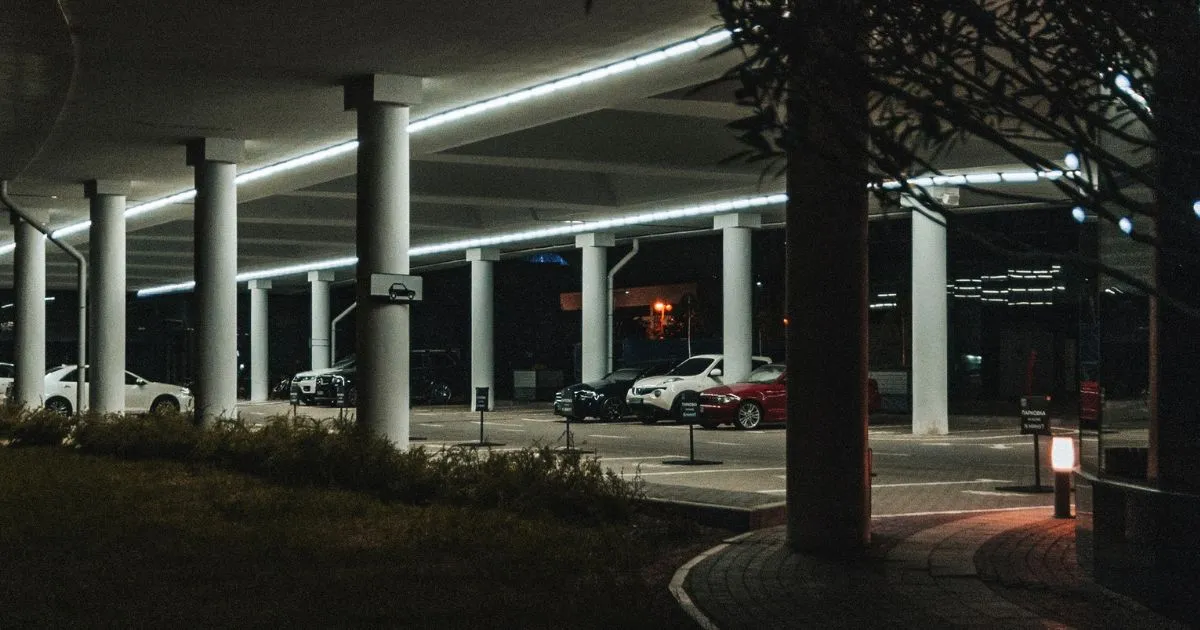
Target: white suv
304	384
653	398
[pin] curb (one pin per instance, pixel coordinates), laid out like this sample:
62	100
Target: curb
681	575
734	519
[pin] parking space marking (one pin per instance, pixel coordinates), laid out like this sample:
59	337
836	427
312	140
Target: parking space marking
709	471
995	493
431	424
499	424
511	430
939	483
611	437
643	457
780	491
546	420
724	443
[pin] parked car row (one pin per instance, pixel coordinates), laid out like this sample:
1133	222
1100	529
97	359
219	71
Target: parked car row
651	394
435	377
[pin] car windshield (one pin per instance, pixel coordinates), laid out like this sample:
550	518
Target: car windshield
623	374
691	367
765	374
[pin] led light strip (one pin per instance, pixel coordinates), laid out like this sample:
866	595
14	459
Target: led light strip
599	226
499	239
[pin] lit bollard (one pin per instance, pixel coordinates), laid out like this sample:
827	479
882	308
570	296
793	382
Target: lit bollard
1062	460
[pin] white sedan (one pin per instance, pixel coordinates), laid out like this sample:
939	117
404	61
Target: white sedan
140	395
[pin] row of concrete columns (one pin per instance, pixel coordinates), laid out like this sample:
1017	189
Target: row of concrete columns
929	387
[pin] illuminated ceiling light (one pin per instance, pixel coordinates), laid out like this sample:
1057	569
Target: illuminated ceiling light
1015	177
178	287
984	178
1126	225
1071	160
1196	208
500	239
1079	214
1124	84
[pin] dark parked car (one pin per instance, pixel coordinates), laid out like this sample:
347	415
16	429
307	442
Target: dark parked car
435	377
605	398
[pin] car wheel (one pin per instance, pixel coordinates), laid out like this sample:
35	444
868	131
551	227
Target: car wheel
439	394
612	411
164	405
749	415
59	405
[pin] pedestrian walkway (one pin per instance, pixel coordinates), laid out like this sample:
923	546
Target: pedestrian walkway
1000	569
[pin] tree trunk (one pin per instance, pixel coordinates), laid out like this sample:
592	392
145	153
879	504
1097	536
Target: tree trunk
1174	336
828	491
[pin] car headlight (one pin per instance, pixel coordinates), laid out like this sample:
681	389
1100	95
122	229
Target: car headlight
337	380
185	392
307	377
587	393
725	399
673	379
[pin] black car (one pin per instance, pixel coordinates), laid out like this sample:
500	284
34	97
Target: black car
436	377
605	398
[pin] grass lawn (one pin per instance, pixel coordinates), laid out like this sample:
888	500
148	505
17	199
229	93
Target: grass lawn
91	541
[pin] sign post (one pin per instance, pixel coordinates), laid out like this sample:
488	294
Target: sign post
689	411
570	447
481	405
1035	421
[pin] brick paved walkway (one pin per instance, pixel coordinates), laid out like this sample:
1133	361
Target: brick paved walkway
1009	569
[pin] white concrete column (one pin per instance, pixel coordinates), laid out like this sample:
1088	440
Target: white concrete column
29	314
737	290
260	381
930	382
483	358
318	340
106	251
215	225
594	307
382	238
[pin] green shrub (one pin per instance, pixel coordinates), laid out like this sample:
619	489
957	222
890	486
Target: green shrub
151	436
41	427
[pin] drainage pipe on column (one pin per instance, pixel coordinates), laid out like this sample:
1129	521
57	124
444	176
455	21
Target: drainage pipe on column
611	274
333	332
81	351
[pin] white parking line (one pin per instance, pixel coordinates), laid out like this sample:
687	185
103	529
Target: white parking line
611	437
643	457
709	471
724	443
938	483
501	424
511	430
431	424
546	420
990	493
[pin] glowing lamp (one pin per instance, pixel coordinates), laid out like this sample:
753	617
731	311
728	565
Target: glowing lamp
1062	454
1062	460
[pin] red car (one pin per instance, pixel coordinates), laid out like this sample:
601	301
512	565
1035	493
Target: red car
762	397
